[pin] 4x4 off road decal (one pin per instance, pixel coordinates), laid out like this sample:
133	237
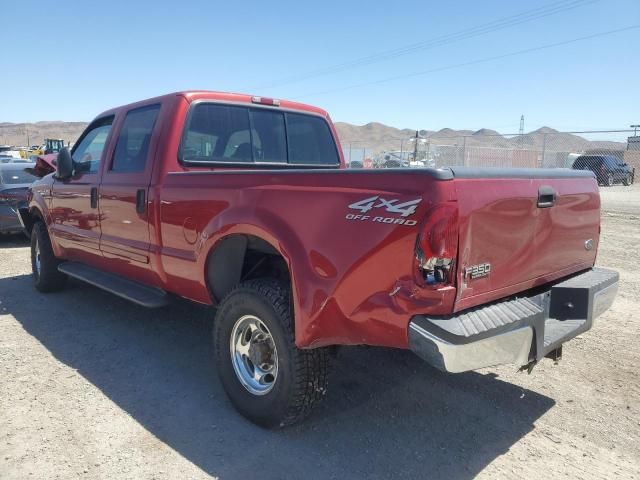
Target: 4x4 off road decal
405	209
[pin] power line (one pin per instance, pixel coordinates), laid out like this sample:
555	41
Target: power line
472	62
483	29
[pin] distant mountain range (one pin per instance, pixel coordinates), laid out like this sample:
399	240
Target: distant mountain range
35	133
375	137
378	137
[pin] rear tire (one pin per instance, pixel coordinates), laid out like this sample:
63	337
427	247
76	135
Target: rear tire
293	380
628	180
44	263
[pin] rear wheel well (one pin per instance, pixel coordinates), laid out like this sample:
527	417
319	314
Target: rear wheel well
238	258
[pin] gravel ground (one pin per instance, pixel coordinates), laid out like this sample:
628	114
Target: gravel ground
94	387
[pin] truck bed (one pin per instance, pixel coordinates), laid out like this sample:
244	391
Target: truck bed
353	271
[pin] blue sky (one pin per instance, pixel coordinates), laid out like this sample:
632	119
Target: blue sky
96	55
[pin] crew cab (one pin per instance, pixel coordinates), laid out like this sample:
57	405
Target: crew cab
246	203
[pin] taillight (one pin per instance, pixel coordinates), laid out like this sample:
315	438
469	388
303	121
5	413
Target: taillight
437	245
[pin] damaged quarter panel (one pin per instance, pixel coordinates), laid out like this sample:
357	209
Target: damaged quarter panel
348	238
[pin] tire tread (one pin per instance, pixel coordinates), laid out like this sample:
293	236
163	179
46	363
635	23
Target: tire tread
311	367
49	279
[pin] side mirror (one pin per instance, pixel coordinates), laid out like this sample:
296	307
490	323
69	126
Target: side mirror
64	164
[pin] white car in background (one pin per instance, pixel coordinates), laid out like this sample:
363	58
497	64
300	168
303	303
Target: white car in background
10	153
10	159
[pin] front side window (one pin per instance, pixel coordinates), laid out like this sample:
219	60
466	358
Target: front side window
235	134
88	152
132	148
611	162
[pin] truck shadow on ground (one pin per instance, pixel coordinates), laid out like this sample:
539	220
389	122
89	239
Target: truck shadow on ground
386	415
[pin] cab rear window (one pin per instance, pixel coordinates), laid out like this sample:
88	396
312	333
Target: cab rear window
232	134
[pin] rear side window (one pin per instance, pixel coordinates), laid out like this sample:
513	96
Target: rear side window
88	151
132	148
234	134
15	176
587	163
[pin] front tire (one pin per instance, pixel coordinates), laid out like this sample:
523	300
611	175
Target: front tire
44	263
628	180
610	180
267	378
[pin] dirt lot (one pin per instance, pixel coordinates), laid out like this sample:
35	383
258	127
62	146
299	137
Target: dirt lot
94	387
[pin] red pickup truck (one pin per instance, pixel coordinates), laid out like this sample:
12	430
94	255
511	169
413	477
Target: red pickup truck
245	203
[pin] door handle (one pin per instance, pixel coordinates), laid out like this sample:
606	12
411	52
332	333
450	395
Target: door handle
546	196
140	201
94	197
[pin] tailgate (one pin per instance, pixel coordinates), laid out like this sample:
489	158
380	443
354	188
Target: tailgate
522	228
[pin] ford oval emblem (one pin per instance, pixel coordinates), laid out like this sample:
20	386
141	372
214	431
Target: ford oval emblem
588	245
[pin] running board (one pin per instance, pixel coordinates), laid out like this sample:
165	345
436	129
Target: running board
135	292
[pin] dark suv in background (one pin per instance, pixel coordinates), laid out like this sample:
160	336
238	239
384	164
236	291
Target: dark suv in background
609	169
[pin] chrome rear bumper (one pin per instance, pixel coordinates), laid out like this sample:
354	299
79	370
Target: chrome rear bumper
508	347
515	331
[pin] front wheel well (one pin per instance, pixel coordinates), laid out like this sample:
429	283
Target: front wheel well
30	217
238	258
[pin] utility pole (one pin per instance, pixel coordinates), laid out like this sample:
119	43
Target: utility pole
635	137
521	129
464	150
417	139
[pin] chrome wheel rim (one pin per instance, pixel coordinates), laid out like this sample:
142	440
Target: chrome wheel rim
253	355
37	257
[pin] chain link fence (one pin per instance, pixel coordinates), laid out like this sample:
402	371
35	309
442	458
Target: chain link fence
545	148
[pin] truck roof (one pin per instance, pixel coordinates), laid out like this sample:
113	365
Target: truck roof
244	98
